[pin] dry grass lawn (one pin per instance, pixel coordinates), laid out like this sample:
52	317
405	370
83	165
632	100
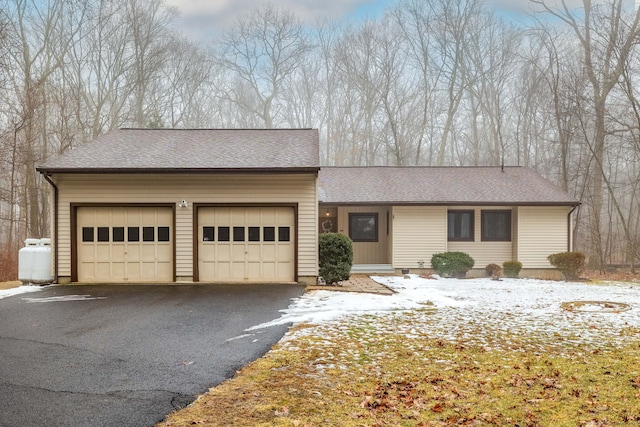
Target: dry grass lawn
350	374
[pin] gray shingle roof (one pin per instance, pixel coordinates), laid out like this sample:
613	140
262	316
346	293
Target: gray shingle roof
439	185
169	150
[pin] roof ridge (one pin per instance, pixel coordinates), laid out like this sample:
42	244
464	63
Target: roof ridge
422	167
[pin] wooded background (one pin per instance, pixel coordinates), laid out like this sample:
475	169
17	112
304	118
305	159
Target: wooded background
438	82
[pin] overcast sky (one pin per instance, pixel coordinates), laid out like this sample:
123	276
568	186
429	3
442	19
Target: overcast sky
207	18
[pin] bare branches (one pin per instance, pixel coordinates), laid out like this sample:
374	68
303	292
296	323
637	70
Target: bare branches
260	54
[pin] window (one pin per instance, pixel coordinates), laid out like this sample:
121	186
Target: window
118	234
496	226
238	234
103	234
283	234
363	227
254	234
208	234
269	234
460	226
223	234
133	234
163	234
87	234
148	234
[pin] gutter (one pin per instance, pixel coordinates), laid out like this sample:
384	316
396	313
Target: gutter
55	225
283	170
569	248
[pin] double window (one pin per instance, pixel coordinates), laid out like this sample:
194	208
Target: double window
495	225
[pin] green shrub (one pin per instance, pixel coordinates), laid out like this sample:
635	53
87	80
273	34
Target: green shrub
335	256
512	268
571	264
454	264
493	270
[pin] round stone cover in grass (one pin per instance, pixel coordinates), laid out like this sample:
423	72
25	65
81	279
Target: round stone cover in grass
596	306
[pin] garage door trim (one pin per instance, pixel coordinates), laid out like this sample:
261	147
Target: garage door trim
197	206
74	225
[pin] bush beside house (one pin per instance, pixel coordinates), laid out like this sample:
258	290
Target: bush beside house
511	268
454	264
335	256
493	270
571	264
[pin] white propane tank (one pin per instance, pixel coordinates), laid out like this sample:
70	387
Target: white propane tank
34	262
42	263
26	260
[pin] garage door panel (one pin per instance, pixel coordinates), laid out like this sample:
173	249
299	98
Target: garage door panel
164	252
133	271
148	271
89	253
103	253
118	244
118	254
206	251
118	270
237	251
253	270
222	253
148	253
247	242
103	269
165	269
223	271
237	216
285	251
118	216
133	252
269	269
269	253
254	253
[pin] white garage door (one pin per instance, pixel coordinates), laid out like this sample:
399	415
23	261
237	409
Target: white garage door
125	244
246	244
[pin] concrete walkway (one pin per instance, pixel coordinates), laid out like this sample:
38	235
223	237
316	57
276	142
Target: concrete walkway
356	283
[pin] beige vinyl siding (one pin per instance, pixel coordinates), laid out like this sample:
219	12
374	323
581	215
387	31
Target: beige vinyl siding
254	189
367	252
184	243
484	253
541	231
418	233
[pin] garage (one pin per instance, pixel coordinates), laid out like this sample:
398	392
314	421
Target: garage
124	244
246	243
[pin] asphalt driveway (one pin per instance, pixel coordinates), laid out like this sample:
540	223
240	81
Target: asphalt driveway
127	355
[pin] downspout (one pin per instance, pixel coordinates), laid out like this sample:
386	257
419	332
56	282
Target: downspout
569	230
55	226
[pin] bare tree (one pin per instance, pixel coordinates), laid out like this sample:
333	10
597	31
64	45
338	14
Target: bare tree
606	38
41	37
260	53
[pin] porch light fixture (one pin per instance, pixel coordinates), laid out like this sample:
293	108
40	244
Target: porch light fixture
183	204
328	213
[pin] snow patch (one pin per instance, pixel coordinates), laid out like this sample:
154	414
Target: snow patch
458	308
19	290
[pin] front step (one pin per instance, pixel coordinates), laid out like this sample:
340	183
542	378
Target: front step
371	268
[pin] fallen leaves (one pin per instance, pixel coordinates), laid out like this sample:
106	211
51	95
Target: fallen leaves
357	374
